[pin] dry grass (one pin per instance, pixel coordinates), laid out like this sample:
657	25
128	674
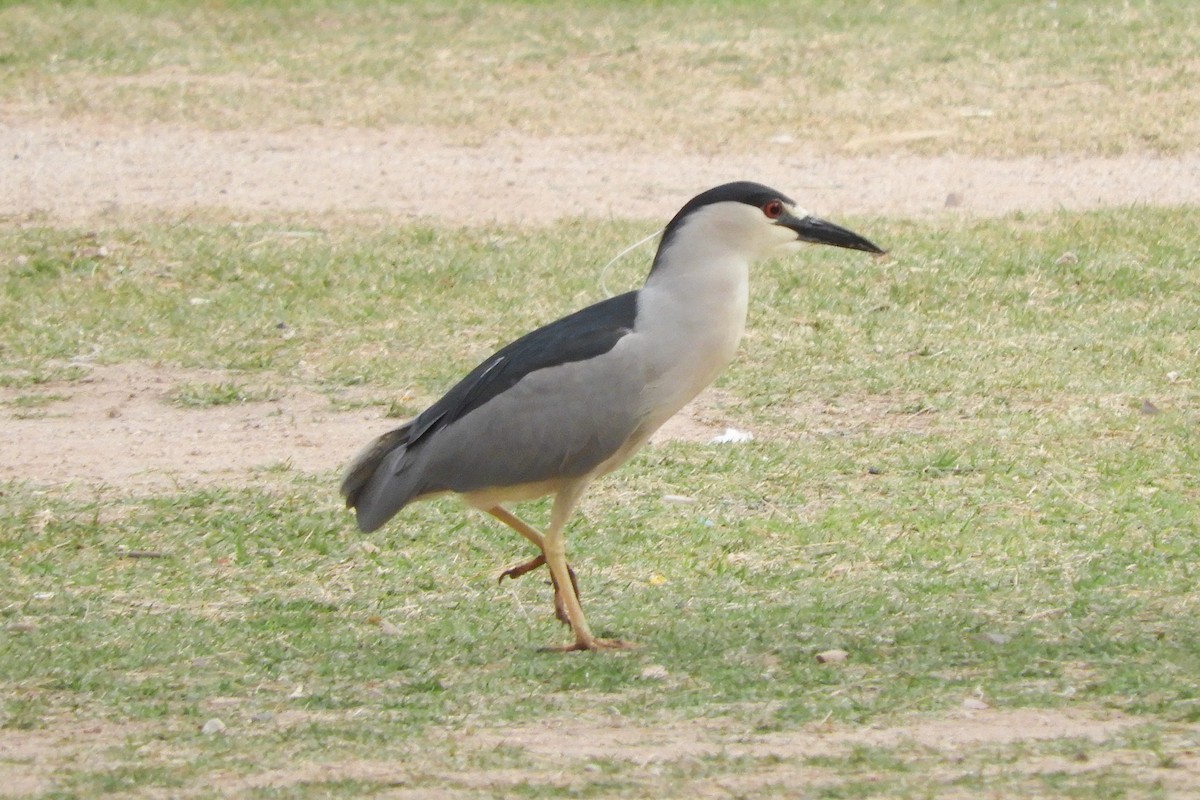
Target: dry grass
1100	78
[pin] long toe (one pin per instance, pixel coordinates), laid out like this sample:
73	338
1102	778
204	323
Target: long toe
574	582
592	645
560	606
521	569
560	609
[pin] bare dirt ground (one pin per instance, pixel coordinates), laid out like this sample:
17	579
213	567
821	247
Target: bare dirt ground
115	429
561	756
60	172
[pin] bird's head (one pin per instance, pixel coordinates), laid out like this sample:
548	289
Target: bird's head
752	221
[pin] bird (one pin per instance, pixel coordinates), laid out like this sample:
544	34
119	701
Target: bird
574	399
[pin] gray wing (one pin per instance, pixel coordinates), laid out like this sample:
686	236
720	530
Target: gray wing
554	403
558	422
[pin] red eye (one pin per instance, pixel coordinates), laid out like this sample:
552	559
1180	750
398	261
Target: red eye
773	209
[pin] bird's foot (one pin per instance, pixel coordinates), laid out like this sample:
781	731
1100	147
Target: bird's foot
560	609
521	569
592	644
530	566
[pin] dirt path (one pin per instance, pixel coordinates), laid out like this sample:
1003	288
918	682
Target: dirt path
560	755
61	173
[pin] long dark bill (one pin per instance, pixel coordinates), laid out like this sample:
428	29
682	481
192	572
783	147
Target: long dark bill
819	231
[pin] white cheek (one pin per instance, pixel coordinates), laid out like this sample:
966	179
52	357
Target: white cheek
782	240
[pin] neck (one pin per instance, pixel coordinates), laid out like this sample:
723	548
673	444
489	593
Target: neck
693	305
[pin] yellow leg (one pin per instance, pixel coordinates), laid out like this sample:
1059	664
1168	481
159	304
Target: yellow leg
511	520
518	525
555	551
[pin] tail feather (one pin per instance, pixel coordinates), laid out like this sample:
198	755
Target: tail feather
364	465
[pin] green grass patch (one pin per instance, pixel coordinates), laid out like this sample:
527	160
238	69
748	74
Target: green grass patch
32	406
206	395
1002	310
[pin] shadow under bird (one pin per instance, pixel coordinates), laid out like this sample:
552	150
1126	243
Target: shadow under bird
573	400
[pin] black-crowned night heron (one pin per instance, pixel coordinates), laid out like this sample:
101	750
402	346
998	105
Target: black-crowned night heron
557	408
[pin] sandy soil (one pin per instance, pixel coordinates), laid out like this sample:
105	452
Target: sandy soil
563	755
116	431
59	172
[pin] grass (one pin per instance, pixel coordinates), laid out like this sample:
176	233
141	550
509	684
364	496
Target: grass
204	395
955	479
993	78
973	465
987	309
